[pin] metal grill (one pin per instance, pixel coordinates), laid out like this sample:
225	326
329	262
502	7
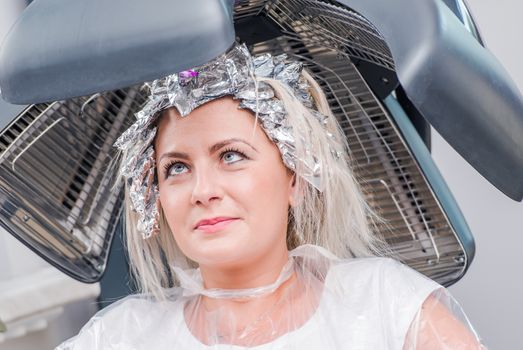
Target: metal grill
56	188
248	8
324	24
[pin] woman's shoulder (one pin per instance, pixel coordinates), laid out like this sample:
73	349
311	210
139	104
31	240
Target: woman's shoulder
383	291
125	320
385	270
375	271
379	269
381	279
131	306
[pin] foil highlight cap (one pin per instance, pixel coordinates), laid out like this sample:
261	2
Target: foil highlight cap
233	73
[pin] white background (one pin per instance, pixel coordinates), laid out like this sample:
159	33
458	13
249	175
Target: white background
492	289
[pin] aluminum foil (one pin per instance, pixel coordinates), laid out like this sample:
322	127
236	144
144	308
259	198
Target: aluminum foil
232	73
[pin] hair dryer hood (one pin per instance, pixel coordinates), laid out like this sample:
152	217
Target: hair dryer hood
61	49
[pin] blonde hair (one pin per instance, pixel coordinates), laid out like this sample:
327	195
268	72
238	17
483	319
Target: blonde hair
338	218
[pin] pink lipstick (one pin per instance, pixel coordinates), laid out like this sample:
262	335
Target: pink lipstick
215	224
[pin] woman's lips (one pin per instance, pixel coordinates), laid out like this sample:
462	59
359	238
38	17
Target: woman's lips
214	225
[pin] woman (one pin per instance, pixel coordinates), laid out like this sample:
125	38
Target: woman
246	228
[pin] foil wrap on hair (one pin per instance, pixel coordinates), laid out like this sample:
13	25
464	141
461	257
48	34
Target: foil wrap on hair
233	73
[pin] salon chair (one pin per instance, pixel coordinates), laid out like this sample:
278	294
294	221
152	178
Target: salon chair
390	70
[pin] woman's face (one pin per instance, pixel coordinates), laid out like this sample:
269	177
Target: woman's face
224	189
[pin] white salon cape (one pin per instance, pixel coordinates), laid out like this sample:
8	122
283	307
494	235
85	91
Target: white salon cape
322	303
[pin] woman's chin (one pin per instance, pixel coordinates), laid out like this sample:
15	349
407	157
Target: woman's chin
219	249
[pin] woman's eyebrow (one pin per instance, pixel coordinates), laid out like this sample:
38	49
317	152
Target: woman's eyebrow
224	143
212	149
173	154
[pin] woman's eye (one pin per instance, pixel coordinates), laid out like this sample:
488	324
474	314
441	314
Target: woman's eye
176	169
232	156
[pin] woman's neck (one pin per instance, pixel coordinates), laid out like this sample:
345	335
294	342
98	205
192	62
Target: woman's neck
257	272
251	321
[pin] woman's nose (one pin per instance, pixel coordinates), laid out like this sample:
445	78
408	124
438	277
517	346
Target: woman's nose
206	187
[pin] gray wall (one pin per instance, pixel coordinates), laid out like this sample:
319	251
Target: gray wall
492	289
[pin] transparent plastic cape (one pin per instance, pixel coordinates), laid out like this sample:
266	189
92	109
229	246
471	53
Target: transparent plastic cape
317	302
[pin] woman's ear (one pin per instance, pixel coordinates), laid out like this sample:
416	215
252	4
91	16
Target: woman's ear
294	194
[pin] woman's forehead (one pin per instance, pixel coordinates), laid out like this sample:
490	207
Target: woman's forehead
212	122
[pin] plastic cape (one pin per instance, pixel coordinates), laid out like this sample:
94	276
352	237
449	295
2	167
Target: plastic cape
317	302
